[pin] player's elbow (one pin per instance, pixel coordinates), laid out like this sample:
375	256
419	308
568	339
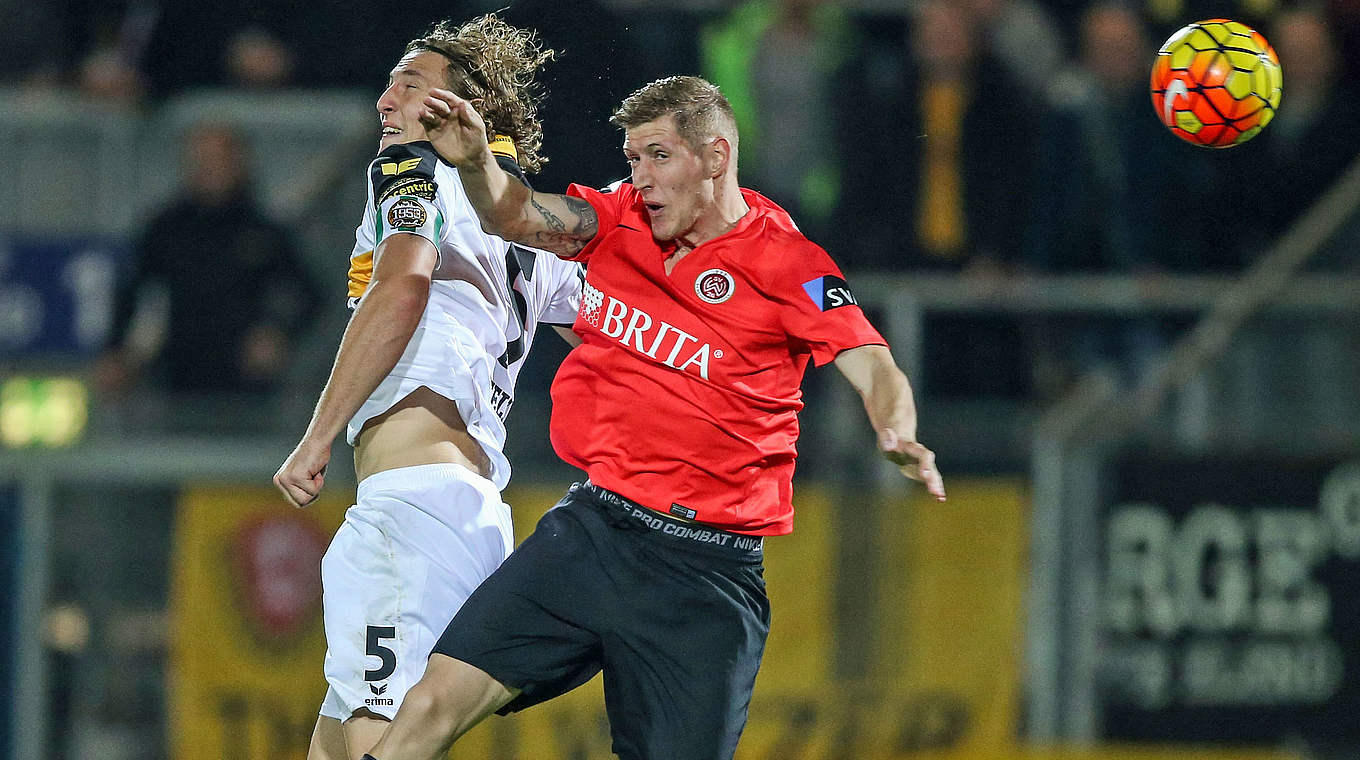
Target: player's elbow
401	299
505	221
410	305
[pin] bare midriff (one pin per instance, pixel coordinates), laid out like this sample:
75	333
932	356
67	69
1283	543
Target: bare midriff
423	428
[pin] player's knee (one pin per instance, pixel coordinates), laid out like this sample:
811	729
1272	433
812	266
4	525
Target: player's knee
455	695
429	703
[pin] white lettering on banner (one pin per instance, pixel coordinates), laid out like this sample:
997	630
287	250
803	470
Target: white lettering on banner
1163	580
631	327
1260	672
1220	671
1221	607
1339	500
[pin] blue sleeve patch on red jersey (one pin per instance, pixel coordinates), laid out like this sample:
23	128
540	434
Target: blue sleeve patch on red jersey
829	292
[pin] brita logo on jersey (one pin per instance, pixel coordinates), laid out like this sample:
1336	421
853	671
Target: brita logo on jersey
829	292
662	341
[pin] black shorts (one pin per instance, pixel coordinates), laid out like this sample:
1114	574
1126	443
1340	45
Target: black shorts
673	612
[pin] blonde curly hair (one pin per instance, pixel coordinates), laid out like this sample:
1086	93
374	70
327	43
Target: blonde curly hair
495	62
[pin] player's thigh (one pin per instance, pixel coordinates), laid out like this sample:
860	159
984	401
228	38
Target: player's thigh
534	624
452	698
328	740
392	578
362	732
678	674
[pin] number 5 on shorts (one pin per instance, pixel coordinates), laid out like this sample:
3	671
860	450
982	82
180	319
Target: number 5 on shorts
374	648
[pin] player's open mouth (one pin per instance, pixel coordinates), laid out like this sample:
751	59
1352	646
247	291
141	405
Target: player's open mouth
390	131
653	207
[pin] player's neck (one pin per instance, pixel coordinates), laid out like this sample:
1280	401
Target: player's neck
718	219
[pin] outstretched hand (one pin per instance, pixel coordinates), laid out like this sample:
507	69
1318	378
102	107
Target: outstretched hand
914	460
454	127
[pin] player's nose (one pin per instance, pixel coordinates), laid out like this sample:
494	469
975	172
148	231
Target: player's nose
641	176
386	102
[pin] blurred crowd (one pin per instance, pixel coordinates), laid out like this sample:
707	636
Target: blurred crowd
987	138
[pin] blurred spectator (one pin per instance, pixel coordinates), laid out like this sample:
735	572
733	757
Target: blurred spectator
109	70
1109	174
108	76
938	180
236	289
244	43
1166	16
777	62
1310	142
1023	36
257	60
1111	181
943	148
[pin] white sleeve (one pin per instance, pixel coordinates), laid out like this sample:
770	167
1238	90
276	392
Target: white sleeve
564	300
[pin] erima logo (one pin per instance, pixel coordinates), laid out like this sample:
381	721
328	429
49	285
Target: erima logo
1175	89
377	700
829	292
636	329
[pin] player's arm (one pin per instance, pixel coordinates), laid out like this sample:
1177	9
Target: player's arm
892	411
568	335
558	223
373	342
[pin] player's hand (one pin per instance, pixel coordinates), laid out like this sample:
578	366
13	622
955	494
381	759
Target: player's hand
303	473
914	460
454	127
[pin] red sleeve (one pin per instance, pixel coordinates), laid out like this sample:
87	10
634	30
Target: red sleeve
608	207
819	310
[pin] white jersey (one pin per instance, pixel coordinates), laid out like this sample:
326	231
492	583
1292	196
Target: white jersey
487	296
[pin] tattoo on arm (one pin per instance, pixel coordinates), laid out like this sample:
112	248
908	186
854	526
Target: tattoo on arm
558	237
587	222
553	221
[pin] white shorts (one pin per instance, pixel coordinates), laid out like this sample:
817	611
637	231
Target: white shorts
410	551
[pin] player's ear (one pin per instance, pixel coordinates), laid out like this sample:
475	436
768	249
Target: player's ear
719	154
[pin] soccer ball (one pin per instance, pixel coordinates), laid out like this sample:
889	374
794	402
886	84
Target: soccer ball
1216	83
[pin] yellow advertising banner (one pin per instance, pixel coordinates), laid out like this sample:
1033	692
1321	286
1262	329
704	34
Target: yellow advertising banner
945	637
246	642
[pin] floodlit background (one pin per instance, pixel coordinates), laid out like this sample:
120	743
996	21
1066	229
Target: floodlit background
1137	360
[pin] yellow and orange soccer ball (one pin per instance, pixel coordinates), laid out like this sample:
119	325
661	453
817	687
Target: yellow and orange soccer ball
1216	83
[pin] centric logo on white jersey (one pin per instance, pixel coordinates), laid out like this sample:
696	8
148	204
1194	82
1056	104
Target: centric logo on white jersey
714	286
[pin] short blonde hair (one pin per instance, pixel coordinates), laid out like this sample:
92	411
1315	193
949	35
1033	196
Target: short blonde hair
699	108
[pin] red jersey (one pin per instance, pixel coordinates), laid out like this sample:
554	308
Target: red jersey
684	395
